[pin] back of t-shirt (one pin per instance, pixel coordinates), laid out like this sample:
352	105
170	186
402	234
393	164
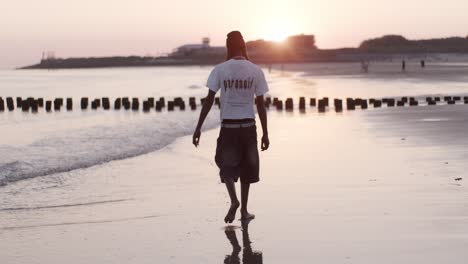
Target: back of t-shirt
240	81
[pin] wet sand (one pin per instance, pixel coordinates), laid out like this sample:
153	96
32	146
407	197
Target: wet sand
376	186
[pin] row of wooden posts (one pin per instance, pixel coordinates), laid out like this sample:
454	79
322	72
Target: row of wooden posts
150	103
126	103
353	103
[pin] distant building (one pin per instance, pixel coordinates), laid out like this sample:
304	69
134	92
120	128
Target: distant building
302	42
188	49
296	48
206	41
203	48
299	43
293	49
49	55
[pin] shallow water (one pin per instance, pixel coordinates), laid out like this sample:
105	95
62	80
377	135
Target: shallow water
45	143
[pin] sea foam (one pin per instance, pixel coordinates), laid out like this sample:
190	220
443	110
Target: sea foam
78	148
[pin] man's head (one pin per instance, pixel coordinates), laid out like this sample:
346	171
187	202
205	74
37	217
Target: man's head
235	45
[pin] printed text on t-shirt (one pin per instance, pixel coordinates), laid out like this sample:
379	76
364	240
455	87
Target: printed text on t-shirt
238	84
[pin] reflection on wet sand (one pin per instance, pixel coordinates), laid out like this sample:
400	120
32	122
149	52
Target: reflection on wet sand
248	255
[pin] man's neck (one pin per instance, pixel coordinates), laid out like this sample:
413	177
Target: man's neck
238	56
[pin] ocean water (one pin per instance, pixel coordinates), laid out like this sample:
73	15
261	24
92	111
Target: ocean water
43	143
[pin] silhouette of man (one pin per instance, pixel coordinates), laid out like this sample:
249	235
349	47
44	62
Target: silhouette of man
239	81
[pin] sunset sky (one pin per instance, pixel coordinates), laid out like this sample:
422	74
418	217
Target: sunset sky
140	27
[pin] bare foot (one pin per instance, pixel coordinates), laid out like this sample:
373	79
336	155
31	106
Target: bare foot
246	215
231	215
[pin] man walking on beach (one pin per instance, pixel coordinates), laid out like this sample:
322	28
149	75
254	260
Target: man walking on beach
236	152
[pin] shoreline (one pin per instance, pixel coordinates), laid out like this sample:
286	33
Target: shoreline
436	71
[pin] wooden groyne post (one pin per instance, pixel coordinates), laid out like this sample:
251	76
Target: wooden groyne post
302	104
289	104
105	103
10	104
84	103
69	104
338	103
48	105
117	103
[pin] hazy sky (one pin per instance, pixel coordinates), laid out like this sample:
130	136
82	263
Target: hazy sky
140	27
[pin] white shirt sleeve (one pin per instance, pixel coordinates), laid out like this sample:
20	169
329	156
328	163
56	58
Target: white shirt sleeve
213	82
261	86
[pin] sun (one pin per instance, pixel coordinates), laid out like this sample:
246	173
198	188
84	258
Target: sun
277	32
277	35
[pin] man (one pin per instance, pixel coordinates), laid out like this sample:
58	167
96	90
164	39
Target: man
236	152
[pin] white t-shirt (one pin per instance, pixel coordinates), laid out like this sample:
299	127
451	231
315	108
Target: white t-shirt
240	81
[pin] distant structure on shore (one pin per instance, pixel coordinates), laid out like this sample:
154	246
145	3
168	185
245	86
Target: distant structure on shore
203	49
49	55
398	44
295	49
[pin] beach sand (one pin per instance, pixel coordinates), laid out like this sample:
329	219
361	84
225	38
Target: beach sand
375	186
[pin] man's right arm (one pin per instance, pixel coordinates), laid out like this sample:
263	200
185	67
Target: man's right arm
204	112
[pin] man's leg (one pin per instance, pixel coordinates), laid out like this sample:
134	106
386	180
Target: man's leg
231	188
245	199
249	168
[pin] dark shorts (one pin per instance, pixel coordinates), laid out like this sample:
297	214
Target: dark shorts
237	154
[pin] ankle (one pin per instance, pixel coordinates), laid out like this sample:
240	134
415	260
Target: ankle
243	210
